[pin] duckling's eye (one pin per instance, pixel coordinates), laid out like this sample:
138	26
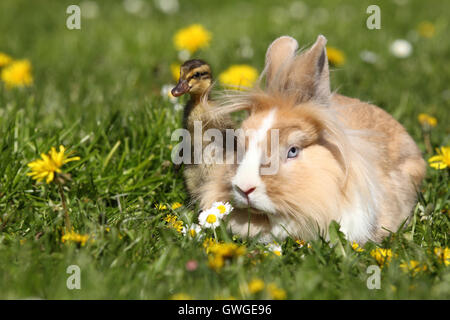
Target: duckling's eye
293	152
196	75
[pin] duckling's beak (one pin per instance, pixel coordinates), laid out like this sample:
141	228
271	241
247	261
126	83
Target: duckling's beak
181	88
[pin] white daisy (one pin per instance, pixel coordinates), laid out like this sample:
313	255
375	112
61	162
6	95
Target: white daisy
167	94
224	208
167	6
178	106
368	56
194	231
89	9
209	218
133	6
298	10
184	55
401	48
275	248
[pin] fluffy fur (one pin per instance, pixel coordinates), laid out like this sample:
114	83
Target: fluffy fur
357	165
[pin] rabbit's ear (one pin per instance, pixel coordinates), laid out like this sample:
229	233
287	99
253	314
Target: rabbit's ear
279	55
309	73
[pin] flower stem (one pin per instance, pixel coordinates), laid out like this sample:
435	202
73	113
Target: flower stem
66	213
428	142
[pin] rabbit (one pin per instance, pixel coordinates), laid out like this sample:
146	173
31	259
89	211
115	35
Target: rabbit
337	158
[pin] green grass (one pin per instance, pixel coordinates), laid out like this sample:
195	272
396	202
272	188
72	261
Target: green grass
96	90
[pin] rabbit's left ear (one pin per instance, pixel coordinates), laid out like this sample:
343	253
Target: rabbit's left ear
278	57
310	74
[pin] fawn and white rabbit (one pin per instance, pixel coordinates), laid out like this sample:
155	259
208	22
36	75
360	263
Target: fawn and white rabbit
338	158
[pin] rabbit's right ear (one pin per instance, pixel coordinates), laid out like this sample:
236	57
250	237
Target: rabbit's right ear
279	54
309	73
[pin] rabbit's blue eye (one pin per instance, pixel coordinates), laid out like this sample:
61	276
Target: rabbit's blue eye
293	152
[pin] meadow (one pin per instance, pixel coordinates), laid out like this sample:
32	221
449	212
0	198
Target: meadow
97	91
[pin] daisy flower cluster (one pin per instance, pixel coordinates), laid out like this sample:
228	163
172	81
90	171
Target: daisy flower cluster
208	219
275	248
211	218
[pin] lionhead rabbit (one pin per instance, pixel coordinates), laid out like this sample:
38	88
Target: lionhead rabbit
337	158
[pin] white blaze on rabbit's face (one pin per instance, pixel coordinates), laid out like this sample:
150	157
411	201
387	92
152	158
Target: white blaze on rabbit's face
248	187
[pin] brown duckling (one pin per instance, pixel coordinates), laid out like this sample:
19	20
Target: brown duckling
196	80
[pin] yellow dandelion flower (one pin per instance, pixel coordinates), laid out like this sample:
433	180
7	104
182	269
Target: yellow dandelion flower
443	254
383	256
192	38
160	206
220	252
256	285
335	56
275	292
17	74
356	247
174	222
180	296
413	266
216	262
238	77
302	243
49	165
441	160
427	120
4	59
175	70
72	236
176	205
227	249
208	243
426	29
224	298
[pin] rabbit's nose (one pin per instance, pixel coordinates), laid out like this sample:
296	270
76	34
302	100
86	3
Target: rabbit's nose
244	192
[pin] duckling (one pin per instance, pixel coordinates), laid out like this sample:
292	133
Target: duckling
196	80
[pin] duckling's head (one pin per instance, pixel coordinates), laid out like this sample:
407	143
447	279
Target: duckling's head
195	78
